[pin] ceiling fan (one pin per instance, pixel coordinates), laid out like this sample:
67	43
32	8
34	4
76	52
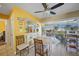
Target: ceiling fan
49	9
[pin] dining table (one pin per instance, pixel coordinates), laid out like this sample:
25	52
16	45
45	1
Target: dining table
23	46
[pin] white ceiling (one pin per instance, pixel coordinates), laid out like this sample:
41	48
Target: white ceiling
33	7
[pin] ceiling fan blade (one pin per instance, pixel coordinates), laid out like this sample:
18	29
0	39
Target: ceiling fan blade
52	12
38	11
44	5
57	5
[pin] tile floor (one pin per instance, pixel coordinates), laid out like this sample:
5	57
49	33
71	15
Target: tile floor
56	50
6	51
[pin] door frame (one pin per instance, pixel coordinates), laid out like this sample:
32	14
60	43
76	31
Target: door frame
5	20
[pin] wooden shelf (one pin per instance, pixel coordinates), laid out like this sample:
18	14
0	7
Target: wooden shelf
72	38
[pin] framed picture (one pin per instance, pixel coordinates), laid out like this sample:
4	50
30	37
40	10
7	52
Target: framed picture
20	23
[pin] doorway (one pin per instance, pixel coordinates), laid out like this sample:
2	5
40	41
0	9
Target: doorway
2	32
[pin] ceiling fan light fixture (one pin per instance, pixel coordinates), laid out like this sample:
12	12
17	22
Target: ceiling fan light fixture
47	12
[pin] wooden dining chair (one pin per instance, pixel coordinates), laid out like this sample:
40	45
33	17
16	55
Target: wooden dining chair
40	48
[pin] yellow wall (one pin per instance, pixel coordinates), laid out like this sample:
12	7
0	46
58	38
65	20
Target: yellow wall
2	26
2	22
18	12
